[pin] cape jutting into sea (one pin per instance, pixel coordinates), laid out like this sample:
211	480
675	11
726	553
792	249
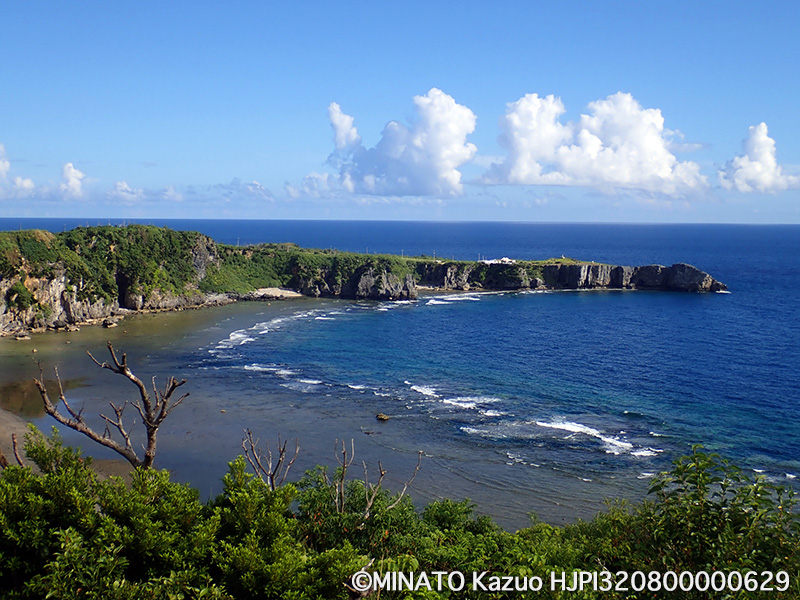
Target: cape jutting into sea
544	402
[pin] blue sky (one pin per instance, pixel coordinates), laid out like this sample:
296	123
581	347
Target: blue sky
520	111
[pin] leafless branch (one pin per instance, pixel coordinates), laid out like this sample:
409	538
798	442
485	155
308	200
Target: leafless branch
272	474
371	490
16	449
340	479
152	410
408	483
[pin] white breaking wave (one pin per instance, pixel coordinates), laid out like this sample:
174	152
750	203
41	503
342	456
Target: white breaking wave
460	403
236	338
470	402
244	336
613	445
257	367
474	430
493	413
310	381
647	452
458	298
425	390
433	301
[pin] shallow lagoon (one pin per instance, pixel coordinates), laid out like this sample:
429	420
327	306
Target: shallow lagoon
544	403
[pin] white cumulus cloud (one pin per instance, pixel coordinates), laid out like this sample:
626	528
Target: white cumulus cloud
18	187
72	186
124	192
170	194
421	158
345	133
241	190
23	187
5	165
617	144
757	168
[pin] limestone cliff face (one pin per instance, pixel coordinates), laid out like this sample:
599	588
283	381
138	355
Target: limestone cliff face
55	302
366	283
678	277
448	276
56	305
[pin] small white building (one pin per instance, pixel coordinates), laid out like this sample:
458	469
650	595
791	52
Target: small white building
500	261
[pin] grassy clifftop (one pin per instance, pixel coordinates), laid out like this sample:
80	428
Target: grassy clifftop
98	261
112	263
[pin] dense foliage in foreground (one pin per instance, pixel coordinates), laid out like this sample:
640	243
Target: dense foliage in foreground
65	534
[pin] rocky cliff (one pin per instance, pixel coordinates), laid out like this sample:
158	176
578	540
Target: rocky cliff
93	274
566	276
55	303
366	282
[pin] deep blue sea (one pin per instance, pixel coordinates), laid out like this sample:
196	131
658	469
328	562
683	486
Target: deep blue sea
545	402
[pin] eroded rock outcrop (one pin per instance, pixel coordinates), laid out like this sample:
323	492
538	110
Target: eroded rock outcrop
37	303
571	276
366	282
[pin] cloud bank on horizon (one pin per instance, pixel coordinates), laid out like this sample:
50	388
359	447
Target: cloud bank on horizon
615	145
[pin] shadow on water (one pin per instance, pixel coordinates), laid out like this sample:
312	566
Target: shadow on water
22	398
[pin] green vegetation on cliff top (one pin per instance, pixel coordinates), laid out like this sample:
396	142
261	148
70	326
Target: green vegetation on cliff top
109	262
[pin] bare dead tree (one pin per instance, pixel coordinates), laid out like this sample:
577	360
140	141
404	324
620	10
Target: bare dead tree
152	410
338	486
272	475
371	490
340	479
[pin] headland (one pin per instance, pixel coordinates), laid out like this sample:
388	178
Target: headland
100	274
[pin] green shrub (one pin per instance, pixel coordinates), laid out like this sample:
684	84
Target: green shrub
66	534
19	296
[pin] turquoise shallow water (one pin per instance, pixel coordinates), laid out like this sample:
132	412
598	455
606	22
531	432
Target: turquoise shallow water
545	402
